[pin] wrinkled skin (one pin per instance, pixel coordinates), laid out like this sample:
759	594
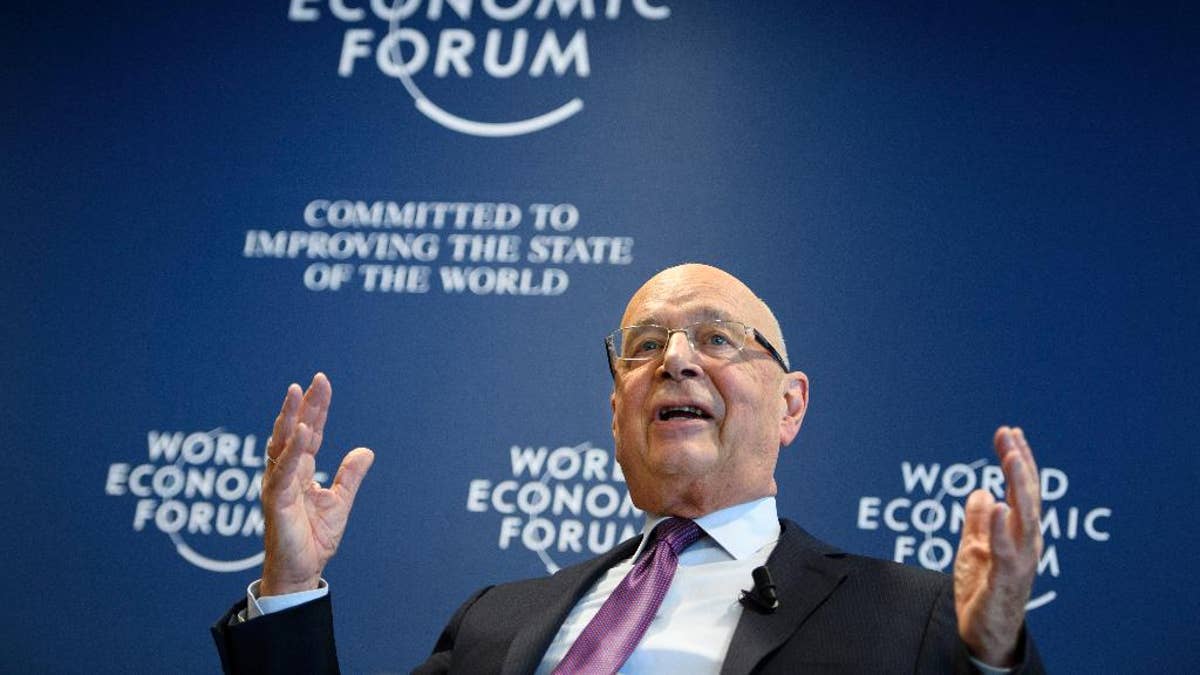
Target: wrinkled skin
998	555
304	521
690	467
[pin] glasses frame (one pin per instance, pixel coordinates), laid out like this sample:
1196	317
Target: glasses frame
610	349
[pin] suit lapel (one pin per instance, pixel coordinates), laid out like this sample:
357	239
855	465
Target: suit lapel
563	590
805	571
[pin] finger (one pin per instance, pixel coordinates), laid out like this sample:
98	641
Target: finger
1017	496
1024	497
287	479
1027	457
1015	480
977	523
1008	452
315	406
351	473
1033	510
1004	443
1003	548
296	460
285	421
1022	487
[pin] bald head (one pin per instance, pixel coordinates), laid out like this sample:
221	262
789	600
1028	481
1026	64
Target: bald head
681	283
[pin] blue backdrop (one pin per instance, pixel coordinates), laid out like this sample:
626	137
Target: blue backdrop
964	215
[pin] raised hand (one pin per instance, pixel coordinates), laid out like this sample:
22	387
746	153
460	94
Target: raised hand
998	555
304	521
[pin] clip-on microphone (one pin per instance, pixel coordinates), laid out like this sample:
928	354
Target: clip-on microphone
762	597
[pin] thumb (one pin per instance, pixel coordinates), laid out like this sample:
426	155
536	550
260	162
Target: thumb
351	473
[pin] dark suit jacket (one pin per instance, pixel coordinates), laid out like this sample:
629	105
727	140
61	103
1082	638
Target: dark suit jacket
838	613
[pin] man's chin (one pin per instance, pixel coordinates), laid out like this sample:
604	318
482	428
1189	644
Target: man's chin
677	458
683	432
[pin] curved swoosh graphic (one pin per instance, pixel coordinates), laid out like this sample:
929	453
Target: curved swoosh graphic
485	129
1043	599
497	129
211	565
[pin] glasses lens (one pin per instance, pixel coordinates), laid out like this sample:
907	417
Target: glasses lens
639	342
721	339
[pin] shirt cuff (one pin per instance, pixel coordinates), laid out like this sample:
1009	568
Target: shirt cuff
980	665
257	606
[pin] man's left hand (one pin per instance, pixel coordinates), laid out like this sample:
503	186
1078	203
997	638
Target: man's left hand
998	556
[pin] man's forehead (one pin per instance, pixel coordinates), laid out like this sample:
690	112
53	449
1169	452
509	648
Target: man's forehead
662	317
691	295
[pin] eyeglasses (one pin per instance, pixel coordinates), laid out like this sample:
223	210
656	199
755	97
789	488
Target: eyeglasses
718	339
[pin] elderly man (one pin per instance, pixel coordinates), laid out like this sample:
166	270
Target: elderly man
703	399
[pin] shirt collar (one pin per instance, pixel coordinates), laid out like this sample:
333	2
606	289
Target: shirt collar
740	530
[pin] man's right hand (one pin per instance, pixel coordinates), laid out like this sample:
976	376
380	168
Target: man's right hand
304	521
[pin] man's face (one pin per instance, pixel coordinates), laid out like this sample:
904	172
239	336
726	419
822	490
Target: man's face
695	434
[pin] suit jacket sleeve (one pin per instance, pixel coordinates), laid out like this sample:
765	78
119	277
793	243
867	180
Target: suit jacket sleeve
295	640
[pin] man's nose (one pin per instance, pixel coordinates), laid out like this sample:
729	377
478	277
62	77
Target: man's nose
679	359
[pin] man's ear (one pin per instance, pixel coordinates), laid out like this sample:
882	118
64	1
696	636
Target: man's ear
795	399
612	400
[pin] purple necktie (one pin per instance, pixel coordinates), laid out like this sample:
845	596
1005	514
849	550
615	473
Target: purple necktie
617	628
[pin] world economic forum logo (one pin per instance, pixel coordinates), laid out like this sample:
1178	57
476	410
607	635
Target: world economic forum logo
564	504
465	39
932	510
201	489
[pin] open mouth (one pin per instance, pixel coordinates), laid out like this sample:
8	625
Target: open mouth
682	412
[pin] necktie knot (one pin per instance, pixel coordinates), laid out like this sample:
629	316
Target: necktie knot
678	533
